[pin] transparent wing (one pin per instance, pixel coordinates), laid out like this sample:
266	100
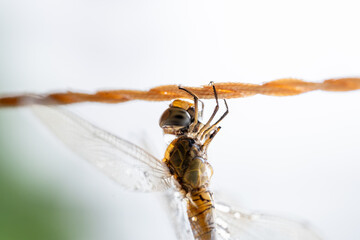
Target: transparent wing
176	206
232	224
129	165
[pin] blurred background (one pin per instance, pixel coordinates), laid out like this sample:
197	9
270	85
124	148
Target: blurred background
293	156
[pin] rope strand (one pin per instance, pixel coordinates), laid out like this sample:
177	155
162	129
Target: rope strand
281	87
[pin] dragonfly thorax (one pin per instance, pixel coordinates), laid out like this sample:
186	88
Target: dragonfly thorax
188	164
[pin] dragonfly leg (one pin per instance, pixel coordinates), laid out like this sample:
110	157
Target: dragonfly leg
209	139
200	133
212	127
196	105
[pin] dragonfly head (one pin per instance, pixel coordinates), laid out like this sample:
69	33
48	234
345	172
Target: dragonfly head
177	118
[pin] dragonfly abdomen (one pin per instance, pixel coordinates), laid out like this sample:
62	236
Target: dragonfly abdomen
200	213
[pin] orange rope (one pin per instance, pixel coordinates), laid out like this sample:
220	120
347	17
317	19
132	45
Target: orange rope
282	87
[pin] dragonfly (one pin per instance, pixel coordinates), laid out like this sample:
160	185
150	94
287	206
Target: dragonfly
184	174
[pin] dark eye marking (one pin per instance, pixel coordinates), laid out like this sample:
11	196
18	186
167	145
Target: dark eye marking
179	116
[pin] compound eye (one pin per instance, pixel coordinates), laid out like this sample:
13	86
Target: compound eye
176	118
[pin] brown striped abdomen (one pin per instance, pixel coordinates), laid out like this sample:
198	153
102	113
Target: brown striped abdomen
200	212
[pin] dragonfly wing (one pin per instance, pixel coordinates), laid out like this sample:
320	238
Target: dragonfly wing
129	165
233	224
177	211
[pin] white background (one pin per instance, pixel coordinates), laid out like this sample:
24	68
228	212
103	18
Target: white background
294	156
